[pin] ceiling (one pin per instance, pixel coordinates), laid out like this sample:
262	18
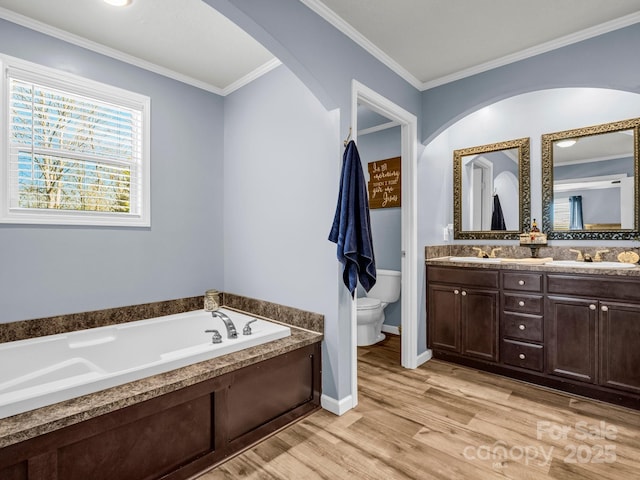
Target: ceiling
427	42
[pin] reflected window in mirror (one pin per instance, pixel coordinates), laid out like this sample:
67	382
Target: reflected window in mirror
491	190
590	182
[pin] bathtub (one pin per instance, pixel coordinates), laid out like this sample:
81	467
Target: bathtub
46	370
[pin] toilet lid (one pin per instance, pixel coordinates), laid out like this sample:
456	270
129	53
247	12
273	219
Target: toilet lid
366	303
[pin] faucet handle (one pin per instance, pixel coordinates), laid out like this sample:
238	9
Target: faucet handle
579	258
598	258
493	252
216	337
481	252
247	329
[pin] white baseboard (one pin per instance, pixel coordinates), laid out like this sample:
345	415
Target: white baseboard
337	407
424	357
392	329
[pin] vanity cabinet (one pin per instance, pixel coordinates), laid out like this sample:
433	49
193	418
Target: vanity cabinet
574	332
463	312
595	339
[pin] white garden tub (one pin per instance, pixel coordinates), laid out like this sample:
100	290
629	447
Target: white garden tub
46	370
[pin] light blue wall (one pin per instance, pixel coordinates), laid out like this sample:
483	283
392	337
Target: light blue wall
281	179
326	61
386	223
50	270
606	61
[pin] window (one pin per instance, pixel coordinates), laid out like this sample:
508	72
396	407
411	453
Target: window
77	151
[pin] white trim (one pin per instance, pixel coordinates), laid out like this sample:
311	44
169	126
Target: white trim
330	16
424	357
337	407
250	77
391	329
133	60
377	128
362	95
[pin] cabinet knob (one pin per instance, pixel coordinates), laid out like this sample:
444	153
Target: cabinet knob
604	308
521	303
521	327
464	293
522	356
592	307
520	282
456	292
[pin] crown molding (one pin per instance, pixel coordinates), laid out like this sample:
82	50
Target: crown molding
250	77
576	37
330	16
130	59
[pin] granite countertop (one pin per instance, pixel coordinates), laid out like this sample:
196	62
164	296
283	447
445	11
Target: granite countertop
43	420
511	265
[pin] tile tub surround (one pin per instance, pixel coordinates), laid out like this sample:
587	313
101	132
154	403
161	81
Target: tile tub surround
37	422
39	327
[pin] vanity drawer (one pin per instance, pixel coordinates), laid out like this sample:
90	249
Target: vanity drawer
516	302
523	282
522	326
469	277
596	286
524	355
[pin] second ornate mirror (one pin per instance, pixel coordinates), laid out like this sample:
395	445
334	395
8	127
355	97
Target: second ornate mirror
491	193
590	182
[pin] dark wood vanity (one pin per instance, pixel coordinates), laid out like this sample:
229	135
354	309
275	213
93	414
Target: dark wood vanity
576	332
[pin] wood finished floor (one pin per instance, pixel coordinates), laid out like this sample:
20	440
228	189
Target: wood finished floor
443	421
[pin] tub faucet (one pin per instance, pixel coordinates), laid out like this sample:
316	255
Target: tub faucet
231	328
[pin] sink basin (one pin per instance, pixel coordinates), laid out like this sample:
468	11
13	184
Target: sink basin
575	264
475	259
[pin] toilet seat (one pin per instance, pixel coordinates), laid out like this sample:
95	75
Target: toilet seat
368	303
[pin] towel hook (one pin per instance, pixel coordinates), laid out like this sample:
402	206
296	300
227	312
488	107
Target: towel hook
346	142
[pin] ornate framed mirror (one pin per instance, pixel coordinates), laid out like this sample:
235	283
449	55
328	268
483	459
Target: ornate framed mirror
491	192
590	182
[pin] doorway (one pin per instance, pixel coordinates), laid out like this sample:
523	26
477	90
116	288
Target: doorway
364	96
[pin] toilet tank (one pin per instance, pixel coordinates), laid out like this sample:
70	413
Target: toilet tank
387	287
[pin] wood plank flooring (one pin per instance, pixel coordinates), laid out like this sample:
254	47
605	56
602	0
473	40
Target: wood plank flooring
443	421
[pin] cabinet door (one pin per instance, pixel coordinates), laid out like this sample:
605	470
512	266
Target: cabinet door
444	317
479	323
619	349
570	331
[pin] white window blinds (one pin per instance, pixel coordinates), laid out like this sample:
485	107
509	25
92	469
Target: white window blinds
76	151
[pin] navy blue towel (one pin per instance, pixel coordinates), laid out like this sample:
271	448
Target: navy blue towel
497	217
351	229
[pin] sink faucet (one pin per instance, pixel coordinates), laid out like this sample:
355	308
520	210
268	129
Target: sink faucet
598	258
231	328
493	252
481	252
579	258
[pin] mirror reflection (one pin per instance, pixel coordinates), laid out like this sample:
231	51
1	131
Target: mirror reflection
489	181
590	182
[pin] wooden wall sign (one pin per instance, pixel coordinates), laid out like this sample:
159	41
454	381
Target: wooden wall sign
385	183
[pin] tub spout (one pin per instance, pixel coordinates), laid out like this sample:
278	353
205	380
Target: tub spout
231	328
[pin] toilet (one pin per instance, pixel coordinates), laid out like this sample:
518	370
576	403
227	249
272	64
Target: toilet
371	308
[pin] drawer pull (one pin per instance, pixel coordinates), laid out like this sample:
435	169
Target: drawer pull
456	292
592	307
522	356
521	327
464	294
604	308
521	303
520	282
